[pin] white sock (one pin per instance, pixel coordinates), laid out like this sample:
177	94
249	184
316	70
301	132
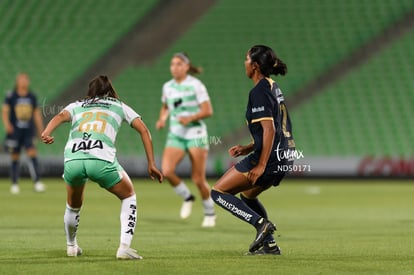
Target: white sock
71	220
128	220
182	190
208	207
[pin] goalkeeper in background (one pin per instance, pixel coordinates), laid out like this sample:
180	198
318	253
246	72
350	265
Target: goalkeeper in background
21	119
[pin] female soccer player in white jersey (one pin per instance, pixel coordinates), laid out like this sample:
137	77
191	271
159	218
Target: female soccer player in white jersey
90	154
186	102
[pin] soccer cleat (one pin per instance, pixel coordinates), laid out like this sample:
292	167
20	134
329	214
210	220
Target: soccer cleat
264	228
14	189
209	221
267	249
73	251
187	207
39	187
128	254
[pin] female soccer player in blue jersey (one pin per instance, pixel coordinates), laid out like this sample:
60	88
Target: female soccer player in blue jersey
186	102
90	154
22	120
270	127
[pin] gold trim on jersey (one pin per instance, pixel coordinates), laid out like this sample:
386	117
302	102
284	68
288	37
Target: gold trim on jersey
271	81
284	112
222	192
261	119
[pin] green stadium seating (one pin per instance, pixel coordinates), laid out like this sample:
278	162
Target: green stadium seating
55	41
368	112
309	37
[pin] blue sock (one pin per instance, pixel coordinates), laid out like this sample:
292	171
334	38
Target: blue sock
258	207
35	172
235	206
13	171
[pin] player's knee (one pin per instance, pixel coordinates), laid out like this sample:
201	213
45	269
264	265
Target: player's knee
168	172
15	156
198	179
215	195
31	152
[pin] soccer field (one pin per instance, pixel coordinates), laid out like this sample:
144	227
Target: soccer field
324	227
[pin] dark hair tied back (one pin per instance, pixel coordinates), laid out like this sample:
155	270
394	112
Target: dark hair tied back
100	87
267	61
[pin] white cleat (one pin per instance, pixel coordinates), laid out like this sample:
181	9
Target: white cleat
73	251
128	254
39	187
15	189
209	221
186	209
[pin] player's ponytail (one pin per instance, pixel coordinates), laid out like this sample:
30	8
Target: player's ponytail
100	87
267	61
279	67
193	70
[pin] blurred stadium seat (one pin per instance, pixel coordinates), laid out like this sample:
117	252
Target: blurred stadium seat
366	113
309	37
56	41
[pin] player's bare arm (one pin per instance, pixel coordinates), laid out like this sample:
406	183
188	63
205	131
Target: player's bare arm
38	120
5	116
268	138
240	150
142	129
57	120
164	113
206	110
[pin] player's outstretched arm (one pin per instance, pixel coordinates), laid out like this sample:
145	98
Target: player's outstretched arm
163	117
240	150
142	129
206	110
58	119
38	120
5	117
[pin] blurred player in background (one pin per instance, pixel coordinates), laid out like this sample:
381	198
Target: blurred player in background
90	154
186	102
270	127
22	118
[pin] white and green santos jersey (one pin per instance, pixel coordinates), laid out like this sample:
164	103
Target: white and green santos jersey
95	124
184	99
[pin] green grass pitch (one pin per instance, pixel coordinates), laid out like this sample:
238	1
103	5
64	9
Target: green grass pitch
325	227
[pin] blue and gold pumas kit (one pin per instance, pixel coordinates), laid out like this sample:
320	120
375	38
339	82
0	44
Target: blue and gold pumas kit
266	102
21	118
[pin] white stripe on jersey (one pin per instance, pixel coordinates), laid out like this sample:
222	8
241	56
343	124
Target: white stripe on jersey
104	153
186	90
104	147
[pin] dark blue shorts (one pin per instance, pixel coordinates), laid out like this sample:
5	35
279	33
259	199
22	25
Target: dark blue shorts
18	139
273	174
